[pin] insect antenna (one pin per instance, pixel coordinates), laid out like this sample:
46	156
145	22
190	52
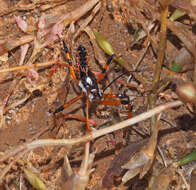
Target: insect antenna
118	78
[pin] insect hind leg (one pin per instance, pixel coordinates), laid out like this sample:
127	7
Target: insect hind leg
68	59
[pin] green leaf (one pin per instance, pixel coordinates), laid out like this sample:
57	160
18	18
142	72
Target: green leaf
176	14
103	43
189	158
34	180
176	67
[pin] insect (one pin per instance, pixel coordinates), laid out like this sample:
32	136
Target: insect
88	83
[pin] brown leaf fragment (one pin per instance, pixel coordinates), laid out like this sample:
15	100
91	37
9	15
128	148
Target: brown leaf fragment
115	166
136	165
141	162
11	43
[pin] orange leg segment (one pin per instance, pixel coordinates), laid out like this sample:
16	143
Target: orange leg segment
73	101
112	99
106	100
54	68
61	108
72	116
68	58
110	102
73	74
87	116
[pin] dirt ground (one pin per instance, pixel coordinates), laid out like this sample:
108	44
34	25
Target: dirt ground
23	122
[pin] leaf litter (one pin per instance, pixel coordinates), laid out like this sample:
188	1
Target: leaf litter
58	148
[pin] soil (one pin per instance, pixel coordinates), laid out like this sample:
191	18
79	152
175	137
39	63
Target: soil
23	123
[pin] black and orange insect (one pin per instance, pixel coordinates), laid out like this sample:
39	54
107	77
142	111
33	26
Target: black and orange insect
88	83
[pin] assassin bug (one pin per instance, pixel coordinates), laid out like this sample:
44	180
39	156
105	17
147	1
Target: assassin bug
88	83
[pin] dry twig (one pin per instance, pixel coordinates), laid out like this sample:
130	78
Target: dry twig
92	135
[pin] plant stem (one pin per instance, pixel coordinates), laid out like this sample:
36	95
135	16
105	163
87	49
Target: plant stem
162	46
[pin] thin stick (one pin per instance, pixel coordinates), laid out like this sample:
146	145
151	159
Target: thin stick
92	135
23	67
87	114
84	166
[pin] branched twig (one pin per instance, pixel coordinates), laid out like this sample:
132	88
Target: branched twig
92	135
